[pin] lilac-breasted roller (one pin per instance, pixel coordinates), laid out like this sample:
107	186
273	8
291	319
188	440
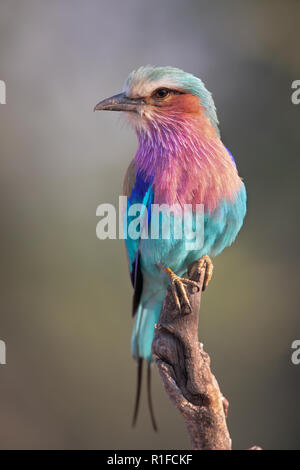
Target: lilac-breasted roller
180	161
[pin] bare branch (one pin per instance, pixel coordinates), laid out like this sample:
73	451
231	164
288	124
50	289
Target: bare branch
185	371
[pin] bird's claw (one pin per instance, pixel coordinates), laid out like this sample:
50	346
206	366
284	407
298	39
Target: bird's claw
178	286
204	262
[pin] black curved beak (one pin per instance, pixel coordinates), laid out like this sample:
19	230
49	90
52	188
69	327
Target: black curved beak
119	102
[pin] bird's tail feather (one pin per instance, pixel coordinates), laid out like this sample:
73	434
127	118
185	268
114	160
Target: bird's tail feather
138	390
147	316
138	393
149	393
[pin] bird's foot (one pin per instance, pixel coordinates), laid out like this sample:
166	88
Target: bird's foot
178	286
204	262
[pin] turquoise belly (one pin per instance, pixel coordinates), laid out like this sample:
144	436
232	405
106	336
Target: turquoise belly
220	230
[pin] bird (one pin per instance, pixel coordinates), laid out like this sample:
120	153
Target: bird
180	162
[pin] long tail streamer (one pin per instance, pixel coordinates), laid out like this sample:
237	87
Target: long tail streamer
138	390
138	394
150	397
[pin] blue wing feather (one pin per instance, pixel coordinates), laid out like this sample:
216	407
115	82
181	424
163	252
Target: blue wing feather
141	192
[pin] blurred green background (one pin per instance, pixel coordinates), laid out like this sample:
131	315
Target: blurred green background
69	381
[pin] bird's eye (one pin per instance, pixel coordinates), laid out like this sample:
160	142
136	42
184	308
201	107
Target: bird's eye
161	93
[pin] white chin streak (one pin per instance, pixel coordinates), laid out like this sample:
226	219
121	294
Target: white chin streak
140	119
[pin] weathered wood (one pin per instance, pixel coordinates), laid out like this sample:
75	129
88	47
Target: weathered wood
185	371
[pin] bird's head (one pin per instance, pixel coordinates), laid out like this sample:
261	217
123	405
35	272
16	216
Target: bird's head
157	96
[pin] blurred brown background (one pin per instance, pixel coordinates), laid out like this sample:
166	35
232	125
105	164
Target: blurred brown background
69	381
